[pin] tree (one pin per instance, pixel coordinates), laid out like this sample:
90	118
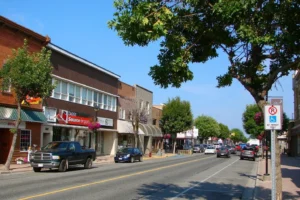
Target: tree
207	126
249	123
224	131
237	135
176	117
28	74
260	38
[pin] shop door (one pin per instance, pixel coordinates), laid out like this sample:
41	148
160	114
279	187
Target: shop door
5	142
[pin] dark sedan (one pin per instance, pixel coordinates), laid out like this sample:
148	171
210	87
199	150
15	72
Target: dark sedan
223	151
129	155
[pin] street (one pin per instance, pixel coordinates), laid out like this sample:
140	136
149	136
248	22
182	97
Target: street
179	177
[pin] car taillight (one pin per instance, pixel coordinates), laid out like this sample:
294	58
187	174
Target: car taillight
252	152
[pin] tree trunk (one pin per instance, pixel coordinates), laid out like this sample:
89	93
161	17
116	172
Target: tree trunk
174	147
135	140
261	104
13	144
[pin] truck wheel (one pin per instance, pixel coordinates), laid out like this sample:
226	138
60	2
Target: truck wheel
131	159
88	164
63	166
37	169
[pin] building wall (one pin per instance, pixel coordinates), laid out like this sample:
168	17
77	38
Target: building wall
110	141
156	116
126	100
145	95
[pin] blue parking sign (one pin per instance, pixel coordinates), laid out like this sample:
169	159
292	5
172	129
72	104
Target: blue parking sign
273	119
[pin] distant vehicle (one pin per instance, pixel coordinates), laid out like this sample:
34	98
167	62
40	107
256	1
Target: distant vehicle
238	148
198	148
61	155
248	152
242	145
210	150
223	151
129	155
231	149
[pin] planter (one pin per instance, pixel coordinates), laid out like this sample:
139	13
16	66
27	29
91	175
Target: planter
19	162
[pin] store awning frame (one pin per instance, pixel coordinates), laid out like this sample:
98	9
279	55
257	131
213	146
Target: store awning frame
126	127
26	115
151	130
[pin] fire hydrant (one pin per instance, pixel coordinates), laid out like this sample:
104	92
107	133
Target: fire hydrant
150	154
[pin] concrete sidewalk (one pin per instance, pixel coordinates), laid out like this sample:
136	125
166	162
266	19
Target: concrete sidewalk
14	168
290	168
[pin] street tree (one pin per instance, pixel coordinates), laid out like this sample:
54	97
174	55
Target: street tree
176	117
27	74
224	131
237	135
207	126
249	123
259	37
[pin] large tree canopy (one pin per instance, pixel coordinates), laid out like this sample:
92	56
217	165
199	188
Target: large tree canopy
224	131
237	135
249	124
260	37
207	126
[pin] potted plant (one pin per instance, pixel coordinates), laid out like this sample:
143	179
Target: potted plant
20	160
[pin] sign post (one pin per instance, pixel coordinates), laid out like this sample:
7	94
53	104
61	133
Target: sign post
273	122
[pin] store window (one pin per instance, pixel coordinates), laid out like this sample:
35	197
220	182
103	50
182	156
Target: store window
25	140
64	91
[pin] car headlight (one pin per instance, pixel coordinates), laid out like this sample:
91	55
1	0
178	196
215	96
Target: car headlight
128	155
55	157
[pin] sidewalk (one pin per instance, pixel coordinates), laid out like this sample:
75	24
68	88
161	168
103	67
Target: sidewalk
290	169
14	168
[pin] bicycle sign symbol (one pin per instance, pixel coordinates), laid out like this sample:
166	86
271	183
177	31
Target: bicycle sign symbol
272	110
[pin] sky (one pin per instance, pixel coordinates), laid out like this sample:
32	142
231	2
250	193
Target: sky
81	28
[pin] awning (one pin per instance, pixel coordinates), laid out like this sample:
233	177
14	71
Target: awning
26	115
151	130
126	127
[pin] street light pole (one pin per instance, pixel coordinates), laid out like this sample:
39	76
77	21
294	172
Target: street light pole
96	109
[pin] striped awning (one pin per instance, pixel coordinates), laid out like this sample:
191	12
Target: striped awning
151	130
26	115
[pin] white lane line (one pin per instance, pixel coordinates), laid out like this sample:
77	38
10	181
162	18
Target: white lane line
185	191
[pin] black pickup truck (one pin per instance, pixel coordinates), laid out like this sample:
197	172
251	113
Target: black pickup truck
61	155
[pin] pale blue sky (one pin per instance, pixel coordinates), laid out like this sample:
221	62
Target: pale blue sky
81	28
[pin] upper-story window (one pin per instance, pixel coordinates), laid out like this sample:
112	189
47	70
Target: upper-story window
79	94
141	106
148	107
122	114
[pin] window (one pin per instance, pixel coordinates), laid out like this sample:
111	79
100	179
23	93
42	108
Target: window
100	100
148	107
25	140
90	97
71	92
109	103
123	114
84	96
141	104
77	94
95	99
154	122
57	90
64	90
105	102
114	102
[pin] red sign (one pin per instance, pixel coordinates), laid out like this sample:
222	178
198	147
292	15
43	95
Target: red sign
272	110
67	117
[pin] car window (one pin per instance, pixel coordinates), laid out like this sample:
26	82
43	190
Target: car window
72	147
56	145
126	150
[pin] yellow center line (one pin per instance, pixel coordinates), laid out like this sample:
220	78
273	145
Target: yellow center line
110	179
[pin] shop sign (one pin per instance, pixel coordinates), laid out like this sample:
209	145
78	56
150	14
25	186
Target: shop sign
11	124
50	114
72	118
105	121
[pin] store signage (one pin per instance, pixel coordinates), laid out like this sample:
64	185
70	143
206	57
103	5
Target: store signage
11	124
72	118
50	114
105	121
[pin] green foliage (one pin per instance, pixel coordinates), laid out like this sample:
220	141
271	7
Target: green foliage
260	38
176	116
28	73
224	131
249	123
238	135
13	130
207	126
285	123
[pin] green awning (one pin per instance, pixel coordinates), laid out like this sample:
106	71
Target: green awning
26	115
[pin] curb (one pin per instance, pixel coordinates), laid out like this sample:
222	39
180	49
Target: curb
255	185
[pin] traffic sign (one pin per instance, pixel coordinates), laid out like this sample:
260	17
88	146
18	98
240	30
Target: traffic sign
272	117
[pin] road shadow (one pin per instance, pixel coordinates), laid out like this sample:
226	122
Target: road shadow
289	161
206	190
70	169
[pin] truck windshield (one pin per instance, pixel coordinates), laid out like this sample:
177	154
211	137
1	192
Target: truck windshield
56	145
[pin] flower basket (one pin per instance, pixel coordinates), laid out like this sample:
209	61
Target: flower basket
20	160
94	126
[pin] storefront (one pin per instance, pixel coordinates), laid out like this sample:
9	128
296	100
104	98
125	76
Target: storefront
126	134
28	134
65	125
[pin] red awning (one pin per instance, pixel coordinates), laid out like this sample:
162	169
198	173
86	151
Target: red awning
167	136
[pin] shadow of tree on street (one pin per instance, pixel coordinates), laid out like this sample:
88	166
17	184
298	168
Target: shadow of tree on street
206	190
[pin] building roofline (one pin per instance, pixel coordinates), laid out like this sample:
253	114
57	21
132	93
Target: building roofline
81	60
136	85
127	84
11	24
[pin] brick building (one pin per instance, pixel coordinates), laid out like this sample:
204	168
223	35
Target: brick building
12	36
84	92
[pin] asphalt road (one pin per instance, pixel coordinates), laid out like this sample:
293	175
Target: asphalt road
180	177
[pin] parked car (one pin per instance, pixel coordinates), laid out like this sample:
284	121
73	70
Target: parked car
238	148
61	155
210	150
223	151
231	149
129	155
248	152
198	148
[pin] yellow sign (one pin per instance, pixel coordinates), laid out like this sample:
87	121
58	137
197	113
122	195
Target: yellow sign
32	100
